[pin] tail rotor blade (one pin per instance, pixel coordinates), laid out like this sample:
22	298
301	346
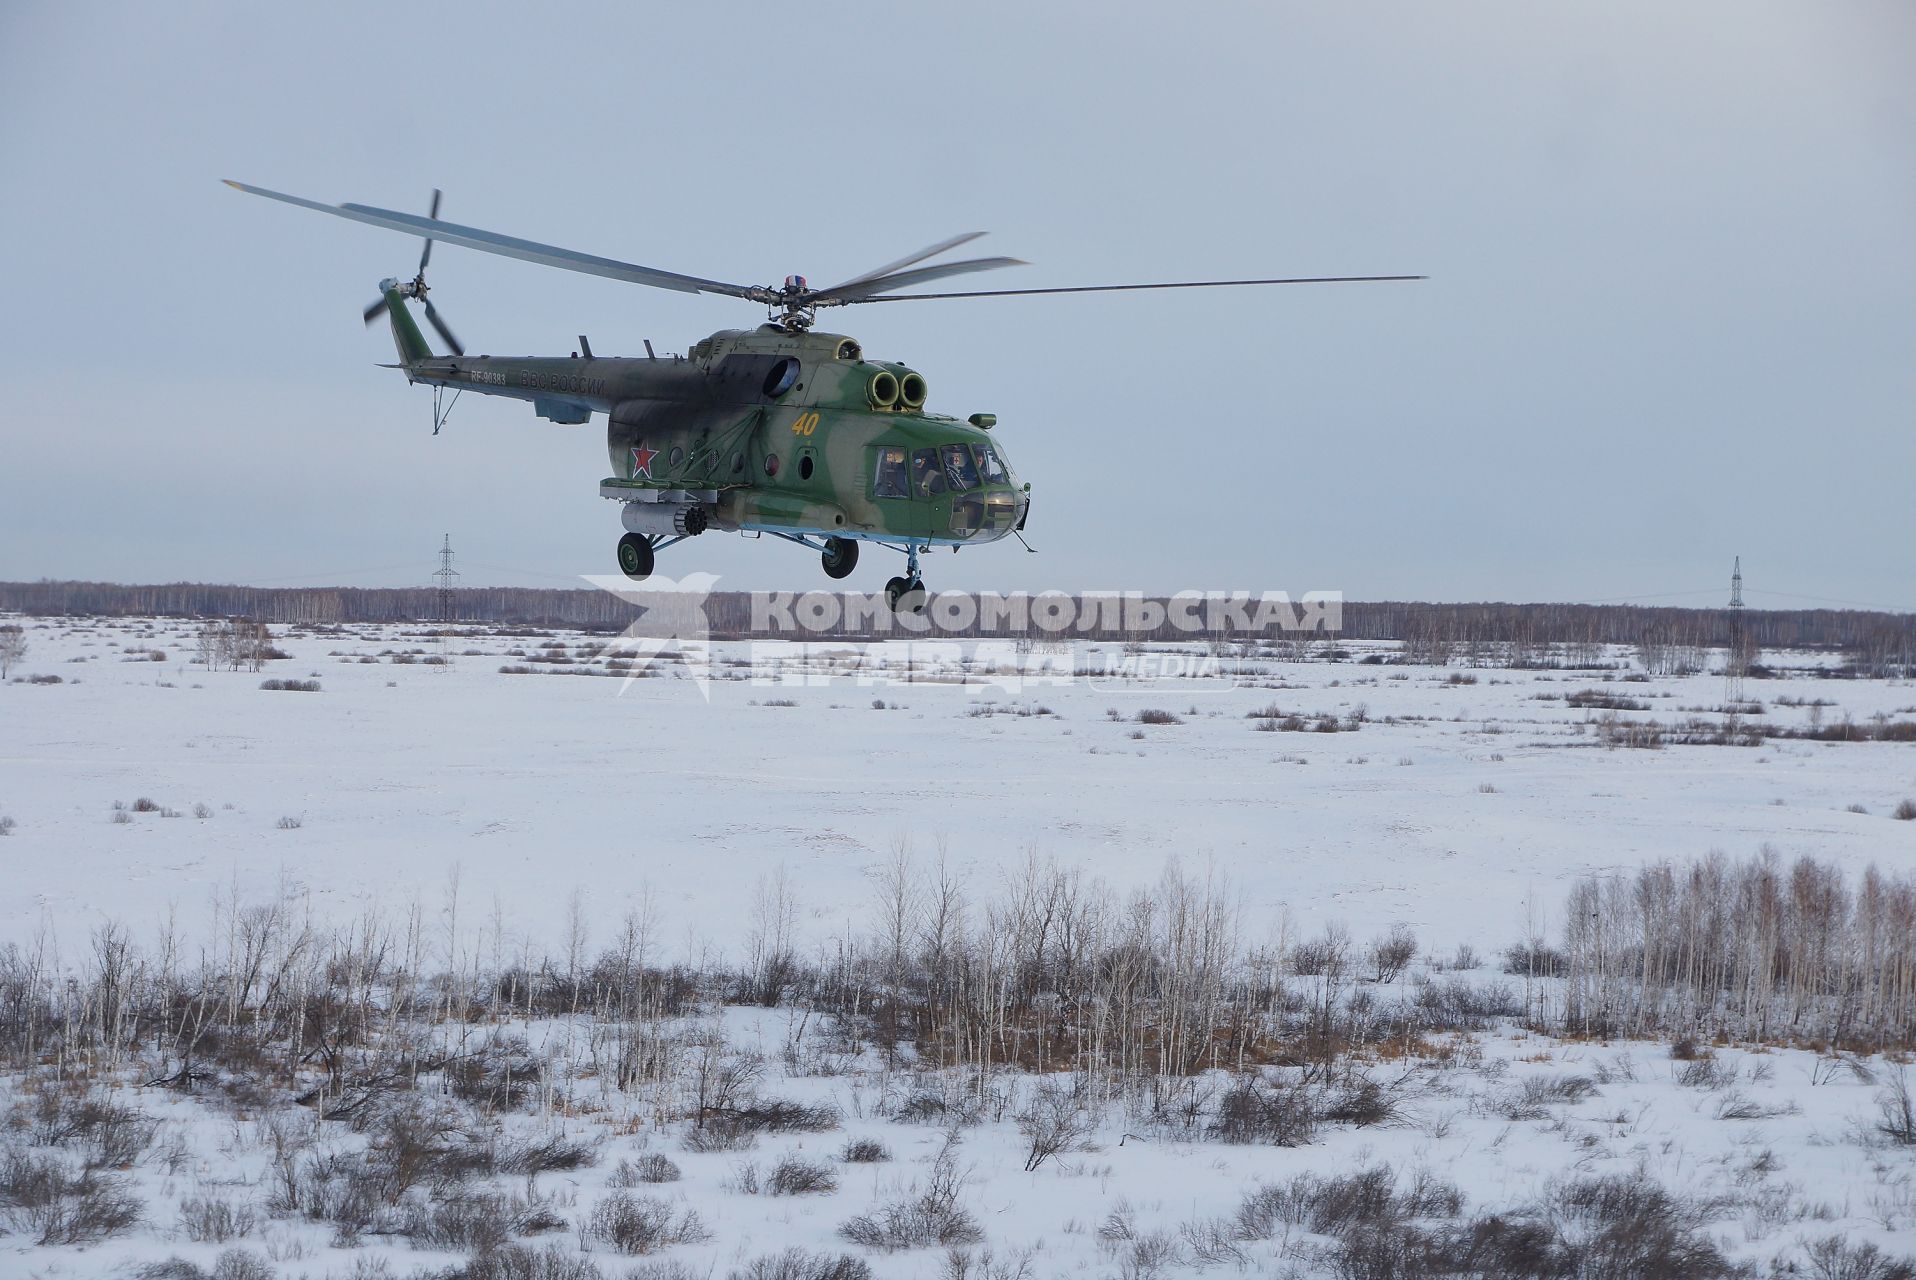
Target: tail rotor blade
425	254
375	311
432	315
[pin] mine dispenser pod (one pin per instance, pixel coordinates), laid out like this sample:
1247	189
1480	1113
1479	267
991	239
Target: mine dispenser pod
665	519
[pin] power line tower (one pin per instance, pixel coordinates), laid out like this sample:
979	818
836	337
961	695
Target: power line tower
442	640
1736	658
445	576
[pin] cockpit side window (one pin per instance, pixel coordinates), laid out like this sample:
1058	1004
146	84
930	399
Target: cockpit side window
959	469
989	465
889	476
927	474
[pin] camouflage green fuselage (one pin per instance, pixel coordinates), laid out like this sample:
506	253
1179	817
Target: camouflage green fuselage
771	429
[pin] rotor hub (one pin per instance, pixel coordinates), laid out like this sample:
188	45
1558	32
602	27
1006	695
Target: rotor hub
791	306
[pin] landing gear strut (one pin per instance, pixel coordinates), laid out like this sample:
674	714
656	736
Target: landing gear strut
907	594
635	556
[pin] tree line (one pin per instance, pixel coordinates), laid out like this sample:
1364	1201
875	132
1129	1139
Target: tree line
1668	640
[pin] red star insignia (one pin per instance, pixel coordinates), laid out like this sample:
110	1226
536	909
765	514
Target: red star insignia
642	462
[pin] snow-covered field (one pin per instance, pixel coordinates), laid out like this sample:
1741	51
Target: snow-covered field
1459	809
524	813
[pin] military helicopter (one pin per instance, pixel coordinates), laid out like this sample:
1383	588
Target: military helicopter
776	430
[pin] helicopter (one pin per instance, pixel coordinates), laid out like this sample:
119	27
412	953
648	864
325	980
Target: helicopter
780	430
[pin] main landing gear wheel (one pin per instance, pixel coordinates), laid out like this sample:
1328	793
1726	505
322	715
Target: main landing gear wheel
905	595
840	557
635	556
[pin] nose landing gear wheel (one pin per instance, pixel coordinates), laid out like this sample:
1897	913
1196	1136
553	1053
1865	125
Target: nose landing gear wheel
635	556
840	557
905	595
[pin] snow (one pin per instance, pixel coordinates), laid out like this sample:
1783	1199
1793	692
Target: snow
531	788
1464	810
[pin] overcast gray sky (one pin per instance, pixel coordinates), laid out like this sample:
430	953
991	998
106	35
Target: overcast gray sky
1670	320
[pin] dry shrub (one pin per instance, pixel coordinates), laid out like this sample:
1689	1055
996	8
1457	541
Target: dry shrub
500	1074
111	1136
780	1116
543	1155
1534	959
1363	1102
1898	1111
215	1220
933	1216
480	1222
652	1167
1705	1072
1629	1226
798	1264
1455	1004
796	1176
1391	953
865	1151
1052	1121
1832	1259
40	1196
239	1264
643	1224
1282	1115
521	1262
1533	1098
233	1264
720	1136
736	1127
1327	955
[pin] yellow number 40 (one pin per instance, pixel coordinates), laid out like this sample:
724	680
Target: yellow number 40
805	424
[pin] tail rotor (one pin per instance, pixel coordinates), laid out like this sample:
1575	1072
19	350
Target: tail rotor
417	288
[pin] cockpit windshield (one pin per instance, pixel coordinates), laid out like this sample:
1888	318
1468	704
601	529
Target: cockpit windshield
935	471
960	470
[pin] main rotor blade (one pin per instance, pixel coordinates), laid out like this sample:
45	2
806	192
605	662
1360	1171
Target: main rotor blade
904	262
512	247
433	315
1115	288
904	279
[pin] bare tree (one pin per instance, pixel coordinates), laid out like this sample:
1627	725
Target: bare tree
774	917
13	648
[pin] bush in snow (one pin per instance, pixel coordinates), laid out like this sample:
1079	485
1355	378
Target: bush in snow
797	1264
215	1220
864	1151
652	1167
642	1224
1392	953
796	1176
1284	1115
932	1216
1898	1111
42	1197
